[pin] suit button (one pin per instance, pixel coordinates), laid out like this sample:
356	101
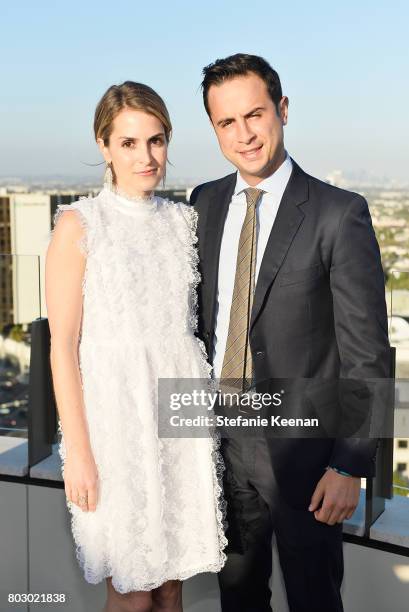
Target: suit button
206	335
260	353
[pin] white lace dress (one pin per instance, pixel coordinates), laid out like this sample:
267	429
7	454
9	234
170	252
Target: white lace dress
160	510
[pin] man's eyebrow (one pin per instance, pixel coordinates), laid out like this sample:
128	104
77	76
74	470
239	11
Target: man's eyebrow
156	135
224	119
254	110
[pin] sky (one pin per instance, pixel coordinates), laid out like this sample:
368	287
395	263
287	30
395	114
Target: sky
344	66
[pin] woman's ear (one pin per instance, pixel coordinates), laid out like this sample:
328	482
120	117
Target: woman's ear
104	150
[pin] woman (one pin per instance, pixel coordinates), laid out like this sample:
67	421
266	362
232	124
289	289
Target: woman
121	276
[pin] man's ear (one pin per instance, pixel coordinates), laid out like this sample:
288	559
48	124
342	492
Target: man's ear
283	105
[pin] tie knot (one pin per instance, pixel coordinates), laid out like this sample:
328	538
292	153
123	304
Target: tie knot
253	195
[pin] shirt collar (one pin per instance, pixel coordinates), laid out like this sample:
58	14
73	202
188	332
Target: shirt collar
274	184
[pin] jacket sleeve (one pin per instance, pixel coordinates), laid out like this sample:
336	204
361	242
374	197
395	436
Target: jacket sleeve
360	317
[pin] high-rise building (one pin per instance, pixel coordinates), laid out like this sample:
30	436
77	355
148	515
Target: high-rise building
6	276
25	225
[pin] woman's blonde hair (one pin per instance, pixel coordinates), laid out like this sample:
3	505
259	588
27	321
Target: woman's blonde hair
136	96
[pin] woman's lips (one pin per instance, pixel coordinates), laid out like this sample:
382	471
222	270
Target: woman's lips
251	153
147	172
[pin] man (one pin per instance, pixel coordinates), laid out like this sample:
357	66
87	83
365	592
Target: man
292	289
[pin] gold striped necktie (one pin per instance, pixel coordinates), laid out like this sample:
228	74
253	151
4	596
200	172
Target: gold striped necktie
237	362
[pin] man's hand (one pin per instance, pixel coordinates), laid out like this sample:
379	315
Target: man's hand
340	496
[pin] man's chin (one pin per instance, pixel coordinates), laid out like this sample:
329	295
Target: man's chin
254	171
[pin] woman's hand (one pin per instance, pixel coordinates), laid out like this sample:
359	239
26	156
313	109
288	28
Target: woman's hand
81	480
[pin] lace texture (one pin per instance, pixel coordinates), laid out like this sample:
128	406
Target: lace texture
160	513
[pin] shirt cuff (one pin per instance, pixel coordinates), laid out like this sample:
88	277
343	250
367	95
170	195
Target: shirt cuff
331	467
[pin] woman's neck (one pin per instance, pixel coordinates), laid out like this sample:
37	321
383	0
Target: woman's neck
132	194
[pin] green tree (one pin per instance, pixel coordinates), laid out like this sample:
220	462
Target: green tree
400	481
16	333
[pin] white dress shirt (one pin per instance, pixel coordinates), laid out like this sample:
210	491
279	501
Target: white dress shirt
266	212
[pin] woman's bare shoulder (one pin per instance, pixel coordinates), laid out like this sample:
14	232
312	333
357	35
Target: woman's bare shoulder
71	222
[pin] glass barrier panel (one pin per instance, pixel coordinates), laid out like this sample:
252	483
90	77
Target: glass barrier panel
20	304
397	292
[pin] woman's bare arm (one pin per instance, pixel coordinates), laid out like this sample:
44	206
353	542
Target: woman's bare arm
65	267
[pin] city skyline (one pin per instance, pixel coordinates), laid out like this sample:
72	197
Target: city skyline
341	67
354	179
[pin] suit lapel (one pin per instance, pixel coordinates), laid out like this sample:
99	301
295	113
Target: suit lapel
288	220
216	216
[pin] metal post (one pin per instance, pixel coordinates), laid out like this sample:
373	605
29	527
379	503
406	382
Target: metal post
41	403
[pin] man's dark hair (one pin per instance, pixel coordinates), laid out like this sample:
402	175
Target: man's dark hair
240	64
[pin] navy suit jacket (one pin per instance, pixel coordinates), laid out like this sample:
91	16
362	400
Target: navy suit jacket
319	314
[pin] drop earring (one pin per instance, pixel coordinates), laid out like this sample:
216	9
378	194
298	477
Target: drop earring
108	177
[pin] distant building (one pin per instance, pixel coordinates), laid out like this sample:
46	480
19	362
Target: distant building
25	225
401	444
177	195
401	457
336	178
30	222
6	276
62	198
401	419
